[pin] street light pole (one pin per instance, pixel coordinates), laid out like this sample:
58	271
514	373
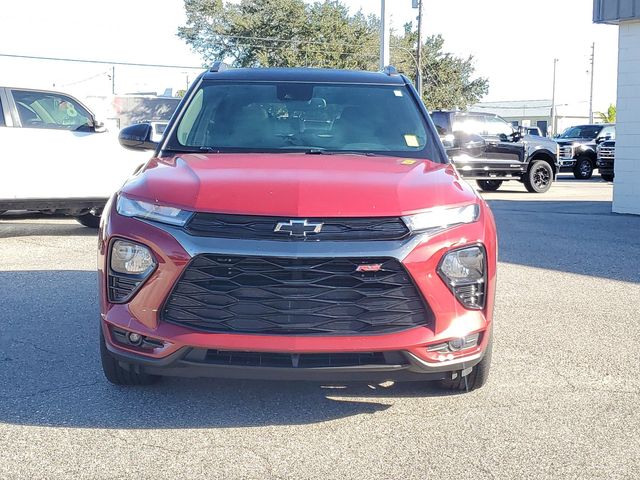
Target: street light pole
419	51
553	99
593	60
384	36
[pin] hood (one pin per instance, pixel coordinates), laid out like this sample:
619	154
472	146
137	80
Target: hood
571	141
299	185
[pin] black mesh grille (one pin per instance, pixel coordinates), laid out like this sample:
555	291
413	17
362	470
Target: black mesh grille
288	360
295	296
262	228
122	287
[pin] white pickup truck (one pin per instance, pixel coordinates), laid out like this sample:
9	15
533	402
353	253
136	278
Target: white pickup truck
55	157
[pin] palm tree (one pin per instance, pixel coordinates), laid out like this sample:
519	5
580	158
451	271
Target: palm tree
610	116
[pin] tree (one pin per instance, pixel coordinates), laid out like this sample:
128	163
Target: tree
610	116
292	33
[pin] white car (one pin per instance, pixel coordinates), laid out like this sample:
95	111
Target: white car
56	157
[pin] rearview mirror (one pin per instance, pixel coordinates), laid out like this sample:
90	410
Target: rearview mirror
98	126
137	137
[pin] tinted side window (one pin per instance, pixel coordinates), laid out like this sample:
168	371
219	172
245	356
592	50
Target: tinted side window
441	121
50	110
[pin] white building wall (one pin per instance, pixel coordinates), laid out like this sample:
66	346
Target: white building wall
626	192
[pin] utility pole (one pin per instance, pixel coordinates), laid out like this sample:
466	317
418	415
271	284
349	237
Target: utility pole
384	36
113	80
419	49
553	99
593	60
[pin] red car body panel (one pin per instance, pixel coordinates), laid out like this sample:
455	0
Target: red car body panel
299	186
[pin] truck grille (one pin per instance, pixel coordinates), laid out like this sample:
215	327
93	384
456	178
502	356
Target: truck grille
606	153
295	296
566	152
263	228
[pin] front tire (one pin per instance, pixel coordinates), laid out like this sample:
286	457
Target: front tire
89	220
607	177
583	169
489	185
118	375
539	177
476	378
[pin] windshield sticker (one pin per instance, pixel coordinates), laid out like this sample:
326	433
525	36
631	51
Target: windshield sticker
407	162
397	93
411	140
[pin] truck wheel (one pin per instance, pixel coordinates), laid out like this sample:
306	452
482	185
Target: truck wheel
607	177
474	380
118	375
583	169
89	220
539	177
489	185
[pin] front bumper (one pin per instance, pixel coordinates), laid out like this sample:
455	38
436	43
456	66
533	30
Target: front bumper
174	249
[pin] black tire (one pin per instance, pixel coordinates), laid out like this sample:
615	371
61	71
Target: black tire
539	177
473	380
89	220
607	177
489	185
118	375
584	168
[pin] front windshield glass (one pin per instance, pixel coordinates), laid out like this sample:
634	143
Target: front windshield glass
308	117
585	131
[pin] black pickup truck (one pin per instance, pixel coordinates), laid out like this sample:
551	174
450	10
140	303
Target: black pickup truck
486	148
578	148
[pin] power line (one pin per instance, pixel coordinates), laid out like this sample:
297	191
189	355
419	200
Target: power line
104	62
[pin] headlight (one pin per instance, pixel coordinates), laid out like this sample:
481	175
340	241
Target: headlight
150	211
131	258
442	218
465	272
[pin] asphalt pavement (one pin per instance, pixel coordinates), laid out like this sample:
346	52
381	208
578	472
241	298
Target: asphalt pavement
562	401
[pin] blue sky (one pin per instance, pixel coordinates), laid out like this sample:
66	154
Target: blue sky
513	43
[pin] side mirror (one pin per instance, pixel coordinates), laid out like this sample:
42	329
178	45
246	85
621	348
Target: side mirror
137	137
468	144
99	126
606	138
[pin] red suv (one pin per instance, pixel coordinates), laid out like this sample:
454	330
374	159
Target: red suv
300	224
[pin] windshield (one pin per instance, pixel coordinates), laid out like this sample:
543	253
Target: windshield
315	118
585	131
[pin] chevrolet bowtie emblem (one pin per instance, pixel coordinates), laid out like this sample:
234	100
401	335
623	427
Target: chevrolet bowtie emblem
298	228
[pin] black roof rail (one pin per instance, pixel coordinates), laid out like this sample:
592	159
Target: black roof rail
390	71
218	66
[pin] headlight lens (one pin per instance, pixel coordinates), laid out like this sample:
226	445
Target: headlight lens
464	271
442	218
150	211
131	258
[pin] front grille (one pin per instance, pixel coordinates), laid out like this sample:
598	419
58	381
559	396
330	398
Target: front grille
263	228
289	360
295	296
606	153
566	152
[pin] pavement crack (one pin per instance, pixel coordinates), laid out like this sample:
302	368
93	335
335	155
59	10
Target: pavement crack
138	444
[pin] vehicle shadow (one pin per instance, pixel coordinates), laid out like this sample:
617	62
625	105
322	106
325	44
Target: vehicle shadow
50	373
581	237
27	225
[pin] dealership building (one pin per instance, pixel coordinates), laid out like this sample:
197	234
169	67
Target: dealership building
625	14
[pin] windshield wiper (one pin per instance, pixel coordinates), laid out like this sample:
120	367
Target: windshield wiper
321	151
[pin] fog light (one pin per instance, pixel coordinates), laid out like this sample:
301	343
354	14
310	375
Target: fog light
464	271
457	344
135	339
